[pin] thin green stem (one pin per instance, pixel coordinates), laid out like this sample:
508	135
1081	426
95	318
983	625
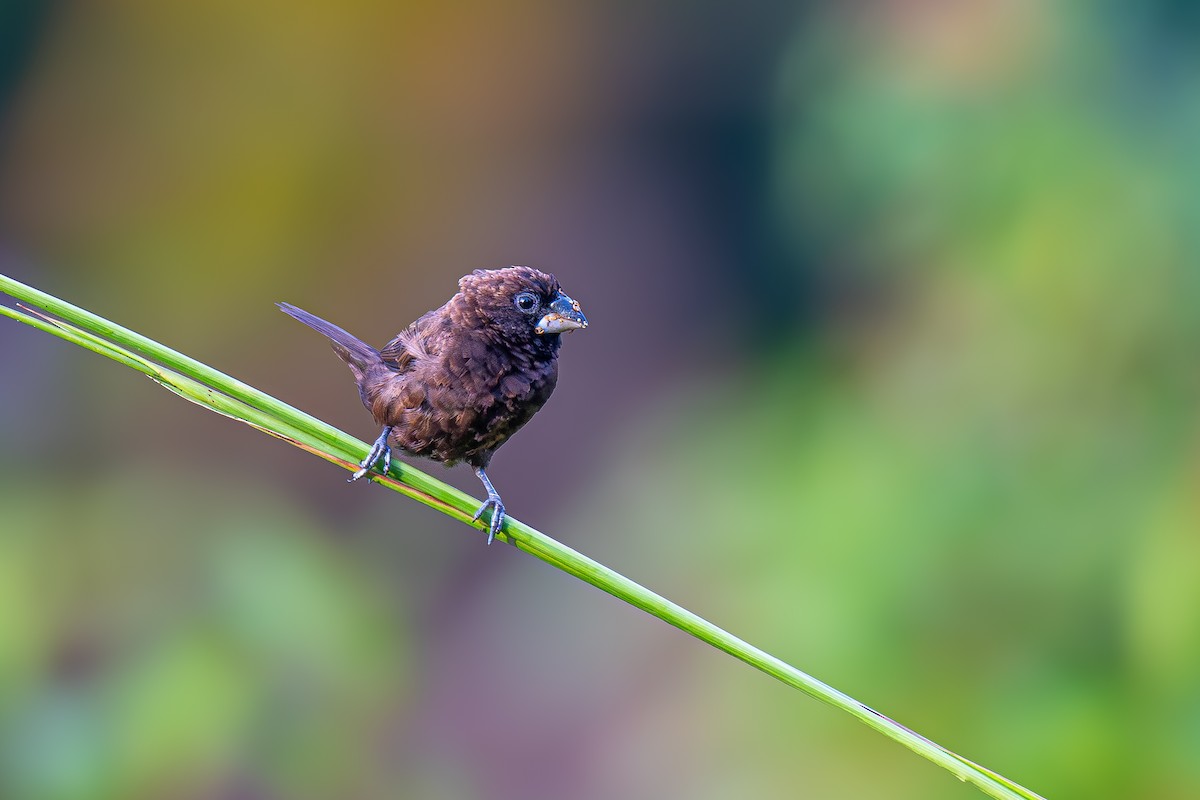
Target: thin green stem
212	389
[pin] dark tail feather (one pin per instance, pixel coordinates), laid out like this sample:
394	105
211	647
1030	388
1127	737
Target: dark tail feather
356	353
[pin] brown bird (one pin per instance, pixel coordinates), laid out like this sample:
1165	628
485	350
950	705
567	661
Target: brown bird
457	383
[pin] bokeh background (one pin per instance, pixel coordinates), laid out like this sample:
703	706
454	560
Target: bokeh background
892	371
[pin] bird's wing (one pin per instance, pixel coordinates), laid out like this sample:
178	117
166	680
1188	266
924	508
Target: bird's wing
410	345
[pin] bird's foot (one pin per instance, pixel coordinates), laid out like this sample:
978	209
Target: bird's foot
497	520
379	450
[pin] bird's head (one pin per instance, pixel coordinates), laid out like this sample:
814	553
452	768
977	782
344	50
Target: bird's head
523	303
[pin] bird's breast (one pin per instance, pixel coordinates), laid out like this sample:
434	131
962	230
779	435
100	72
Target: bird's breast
464	404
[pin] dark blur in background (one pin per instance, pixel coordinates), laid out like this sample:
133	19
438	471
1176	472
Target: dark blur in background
892	371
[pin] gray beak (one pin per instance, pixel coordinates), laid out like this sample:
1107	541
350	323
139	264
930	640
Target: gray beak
562	315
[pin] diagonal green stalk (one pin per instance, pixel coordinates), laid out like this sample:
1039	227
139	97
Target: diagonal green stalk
208	387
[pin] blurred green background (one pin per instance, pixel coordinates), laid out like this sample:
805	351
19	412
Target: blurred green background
892	371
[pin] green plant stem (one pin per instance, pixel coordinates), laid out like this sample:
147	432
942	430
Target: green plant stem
208	387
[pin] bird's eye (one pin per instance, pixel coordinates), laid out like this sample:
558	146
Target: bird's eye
527	302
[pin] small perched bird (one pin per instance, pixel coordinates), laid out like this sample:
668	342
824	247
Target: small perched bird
455	384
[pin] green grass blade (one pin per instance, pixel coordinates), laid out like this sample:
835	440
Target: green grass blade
212	389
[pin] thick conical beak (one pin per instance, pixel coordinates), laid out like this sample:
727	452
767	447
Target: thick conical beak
562	315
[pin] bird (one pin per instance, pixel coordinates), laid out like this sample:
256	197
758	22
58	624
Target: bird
459	381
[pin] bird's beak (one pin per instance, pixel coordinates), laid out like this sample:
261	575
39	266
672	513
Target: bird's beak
563	315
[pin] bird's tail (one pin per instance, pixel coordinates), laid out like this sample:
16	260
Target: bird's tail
357	354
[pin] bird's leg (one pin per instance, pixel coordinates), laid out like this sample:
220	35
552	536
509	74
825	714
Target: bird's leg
378	450
492	501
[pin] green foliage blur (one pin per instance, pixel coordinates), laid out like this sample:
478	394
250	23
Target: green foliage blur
892	372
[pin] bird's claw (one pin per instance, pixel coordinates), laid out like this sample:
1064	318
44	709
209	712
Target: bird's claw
497	520
379	450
